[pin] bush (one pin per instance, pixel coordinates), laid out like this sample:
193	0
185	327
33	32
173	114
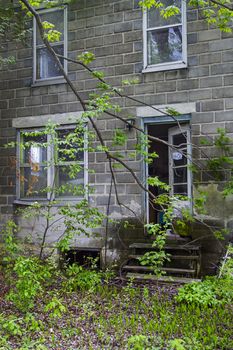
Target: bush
79	278
213	290
29	276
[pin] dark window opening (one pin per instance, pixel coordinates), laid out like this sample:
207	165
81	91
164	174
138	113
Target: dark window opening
83	257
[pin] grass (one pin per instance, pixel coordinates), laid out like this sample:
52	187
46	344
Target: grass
113	317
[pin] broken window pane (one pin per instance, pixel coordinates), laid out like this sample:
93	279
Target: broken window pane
164	45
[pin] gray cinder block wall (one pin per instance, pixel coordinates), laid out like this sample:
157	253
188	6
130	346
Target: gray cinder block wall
113	31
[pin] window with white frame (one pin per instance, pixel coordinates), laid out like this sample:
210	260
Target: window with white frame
51	165
45	66
165	42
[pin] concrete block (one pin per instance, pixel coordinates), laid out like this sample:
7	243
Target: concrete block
215	105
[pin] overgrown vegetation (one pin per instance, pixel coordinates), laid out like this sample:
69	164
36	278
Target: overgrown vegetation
45	308
115	317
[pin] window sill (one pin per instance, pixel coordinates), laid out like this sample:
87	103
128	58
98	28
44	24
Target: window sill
164	67
46	82
60	202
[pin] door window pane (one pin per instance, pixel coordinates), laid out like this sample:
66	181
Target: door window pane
179	157
181	189
180	139
180	175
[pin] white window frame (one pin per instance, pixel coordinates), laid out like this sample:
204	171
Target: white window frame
177	130
166	65
50	168
35	46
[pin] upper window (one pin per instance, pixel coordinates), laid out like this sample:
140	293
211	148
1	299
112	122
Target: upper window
44	65
165	39
51	165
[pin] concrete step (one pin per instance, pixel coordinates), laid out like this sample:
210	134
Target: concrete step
163	279
172	257
186	247
165	269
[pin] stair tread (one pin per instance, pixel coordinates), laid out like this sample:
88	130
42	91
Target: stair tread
176	238
167	279
168	247
172	257
166	269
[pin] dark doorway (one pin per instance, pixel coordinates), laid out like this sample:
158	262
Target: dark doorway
159	167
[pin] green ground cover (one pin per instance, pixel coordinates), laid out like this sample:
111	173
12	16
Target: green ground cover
100	315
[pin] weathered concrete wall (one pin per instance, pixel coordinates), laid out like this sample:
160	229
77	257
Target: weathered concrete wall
113	31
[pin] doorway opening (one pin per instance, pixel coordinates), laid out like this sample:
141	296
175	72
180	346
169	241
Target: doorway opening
171	166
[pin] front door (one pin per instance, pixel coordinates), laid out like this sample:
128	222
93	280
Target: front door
172	165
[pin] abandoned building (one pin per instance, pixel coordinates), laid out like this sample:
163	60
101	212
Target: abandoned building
180	63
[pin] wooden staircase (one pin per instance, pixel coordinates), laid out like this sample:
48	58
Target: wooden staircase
183	267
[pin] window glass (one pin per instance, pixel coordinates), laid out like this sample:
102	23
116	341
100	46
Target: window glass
64	178
53	17
45	162
180	139
165	42
45	66
180	175
154	19
33	181
164	45
73	149
34	150
181	189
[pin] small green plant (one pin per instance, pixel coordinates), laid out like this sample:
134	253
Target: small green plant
138	342
10	248
78	278
177	344
212	291
29	275
157	257
11	326
55	307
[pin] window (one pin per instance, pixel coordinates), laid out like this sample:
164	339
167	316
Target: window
44	66
165	39
48	161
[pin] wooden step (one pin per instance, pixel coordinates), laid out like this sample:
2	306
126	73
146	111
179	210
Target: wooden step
172	257
167	247
165	269
162	279
176	238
